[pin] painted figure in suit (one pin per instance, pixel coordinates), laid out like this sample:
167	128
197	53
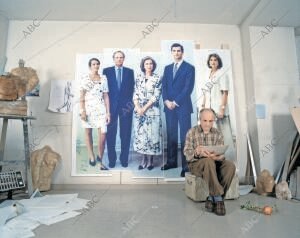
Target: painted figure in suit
120	84
177	86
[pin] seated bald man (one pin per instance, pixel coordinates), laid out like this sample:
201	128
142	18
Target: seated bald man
213	168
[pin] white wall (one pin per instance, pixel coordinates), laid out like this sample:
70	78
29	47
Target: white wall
51	49
297	40
277	86
3	39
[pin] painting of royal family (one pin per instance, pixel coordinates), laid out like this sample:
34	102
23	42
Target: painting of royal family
134	110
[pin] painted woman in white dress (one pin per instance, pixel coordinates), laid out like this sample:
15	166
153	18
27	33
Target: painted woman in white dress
215	94
216	87
94	110
147	120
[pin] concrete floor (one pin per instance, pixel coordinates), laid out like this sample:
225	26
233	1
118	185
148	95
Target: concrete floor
164	211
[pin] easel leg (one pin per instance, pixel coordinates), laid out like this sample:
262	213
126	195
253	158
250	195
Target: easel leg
9	195
27	157
3	138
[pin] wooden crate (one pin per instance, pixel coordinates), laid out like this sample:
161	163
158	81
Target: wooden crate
18	107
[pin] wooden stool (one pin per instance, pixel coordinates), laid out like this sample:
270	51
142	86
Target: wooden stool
197	189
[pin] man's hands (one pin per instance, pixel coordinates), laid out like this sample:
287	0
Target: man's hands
170	105
201	152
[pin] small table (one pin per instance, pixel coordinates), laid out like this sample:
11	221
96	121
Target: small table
24	119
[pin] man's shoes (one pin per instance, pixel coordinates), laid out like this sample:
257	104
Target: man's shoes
182	174
168	166
111	165
220	208
124	165
141	167
183	171
209	205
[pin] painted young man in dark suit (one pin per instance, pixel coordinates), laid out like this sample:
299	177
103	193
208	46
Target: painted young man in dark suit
120	84
177	86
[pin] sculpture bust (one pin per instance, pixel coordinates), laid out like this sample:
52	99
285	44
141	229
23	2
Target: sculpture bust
265	183
43	163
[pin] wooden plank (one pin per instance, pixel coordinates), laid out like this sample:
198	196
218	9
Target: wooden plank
295	153
298	183
8	88
296	117
286	163
13	107
248	171
295	145
293	160
279	173
20	117
27	157
3	138
252	159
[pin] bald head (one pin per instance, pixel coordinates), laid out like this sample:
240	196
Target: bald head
207	119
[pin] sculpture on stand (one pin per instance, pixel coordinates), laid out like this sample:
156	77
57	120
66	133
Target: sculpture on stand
27	75
14	87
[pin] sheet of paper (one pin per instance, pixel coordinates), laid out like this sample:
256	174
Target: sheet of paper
46	210
15	233
219	150
10	211
61	217
61	96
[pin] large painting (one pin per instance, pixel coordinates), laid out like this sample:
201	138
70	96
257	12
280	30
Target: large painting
201	92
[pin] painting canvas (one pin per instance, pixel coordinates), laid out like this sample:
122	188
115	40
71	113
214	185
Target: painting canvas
198	58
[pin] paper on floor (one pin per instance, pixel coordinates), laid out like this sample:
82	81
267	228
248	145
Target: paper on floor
46	210
245	189
10	211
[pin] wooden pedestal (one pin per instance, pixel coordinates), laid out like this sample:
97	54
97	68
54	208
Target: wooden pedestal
18	107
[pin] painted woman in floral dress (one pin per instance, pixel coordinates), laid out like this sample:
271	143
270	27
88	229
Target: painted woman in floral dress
94	110
147	120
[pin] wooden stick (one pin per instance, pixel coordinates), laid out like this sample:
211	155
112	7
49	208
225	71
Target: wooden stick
287	162
252	159
295	143
293	160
